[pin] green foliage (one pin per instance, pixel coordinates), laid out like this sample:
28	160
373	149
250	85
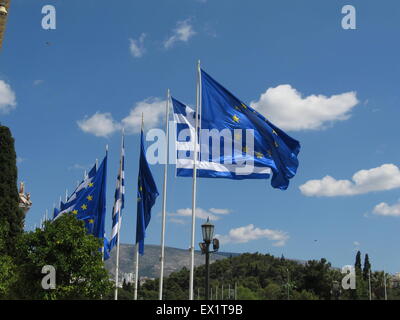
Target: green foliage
64	244
11	216
367	267
7	268
256	277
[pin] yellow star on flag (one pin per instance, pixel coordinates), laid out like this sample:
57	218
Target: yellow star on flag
235	118
244	106
90	198
259	155
91	221
75	211
91	184
84	207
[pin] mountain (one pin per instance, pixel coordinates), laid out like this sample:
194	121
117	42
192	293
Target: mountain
149	263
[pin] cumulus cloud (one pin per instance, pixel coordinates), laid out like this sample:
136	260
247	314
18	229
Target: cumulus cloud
201	213
288	109
385	177
7	98
99	124
384	209
136	47
183	32
249	233
153	110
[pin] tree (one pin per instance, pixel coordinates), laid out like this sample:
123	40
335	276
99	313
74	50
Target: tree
357	264
317	278
75	255
11	216
7	268
367	267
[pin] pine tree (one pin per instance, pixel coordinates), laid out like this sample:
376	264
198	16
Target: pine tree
367	267
11	216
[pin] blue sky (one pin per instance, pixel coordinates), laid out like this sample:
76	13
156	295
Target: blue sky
60	88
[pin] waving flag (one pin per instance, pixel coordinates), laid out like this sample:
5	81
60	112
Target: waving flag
146	197
119	199
88	201
235	141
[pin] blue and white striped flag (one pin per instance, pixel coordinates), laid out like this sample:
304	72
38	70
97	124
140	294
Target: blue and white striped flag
119	200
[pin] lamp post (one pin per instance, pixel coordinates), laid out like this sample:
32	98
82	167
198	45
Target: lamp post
208	233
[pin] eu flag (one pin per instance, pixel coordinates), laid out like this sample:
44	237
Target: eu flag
270	149
146	197
88	201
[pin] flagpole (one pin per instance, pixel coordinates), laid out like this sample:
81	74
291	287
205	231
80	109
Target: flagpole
136	270
164	204
119	227
137	248
104	235
198	103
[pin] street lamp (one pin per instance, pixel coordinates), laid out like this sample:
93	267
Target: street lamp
208	233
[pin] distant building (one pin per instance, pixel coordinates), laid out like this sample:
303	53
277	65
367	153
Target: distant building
25	202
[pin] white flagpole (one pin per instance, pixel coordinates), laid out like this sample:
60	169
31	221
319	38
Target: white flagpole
164	204
119	226
136	270
198	107
137	253
384	281
102	245
369	284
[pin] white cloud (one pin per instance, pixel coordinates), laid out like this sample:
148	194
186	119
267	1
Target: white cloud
153	110
383	209
356	243
250	233
37	82
99	124
136	47
286	108
385	177
220	211
183	32
201	213
177	221
7	98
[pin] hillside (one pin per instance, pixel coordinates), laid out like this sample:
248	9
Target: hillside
149	263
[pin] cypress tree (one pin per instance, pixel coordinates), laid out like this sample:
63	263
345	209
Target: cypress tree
11	216
357	264
367	267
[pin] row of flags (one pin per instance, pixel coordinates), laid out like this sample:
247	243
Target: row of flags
270	150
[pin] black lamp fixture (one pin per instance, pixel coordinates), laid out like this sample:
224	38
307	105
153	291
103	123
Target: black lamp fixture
208	233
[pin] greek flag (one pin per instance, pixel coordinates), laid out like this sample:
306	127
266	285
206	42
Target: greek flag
234	141
119	200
